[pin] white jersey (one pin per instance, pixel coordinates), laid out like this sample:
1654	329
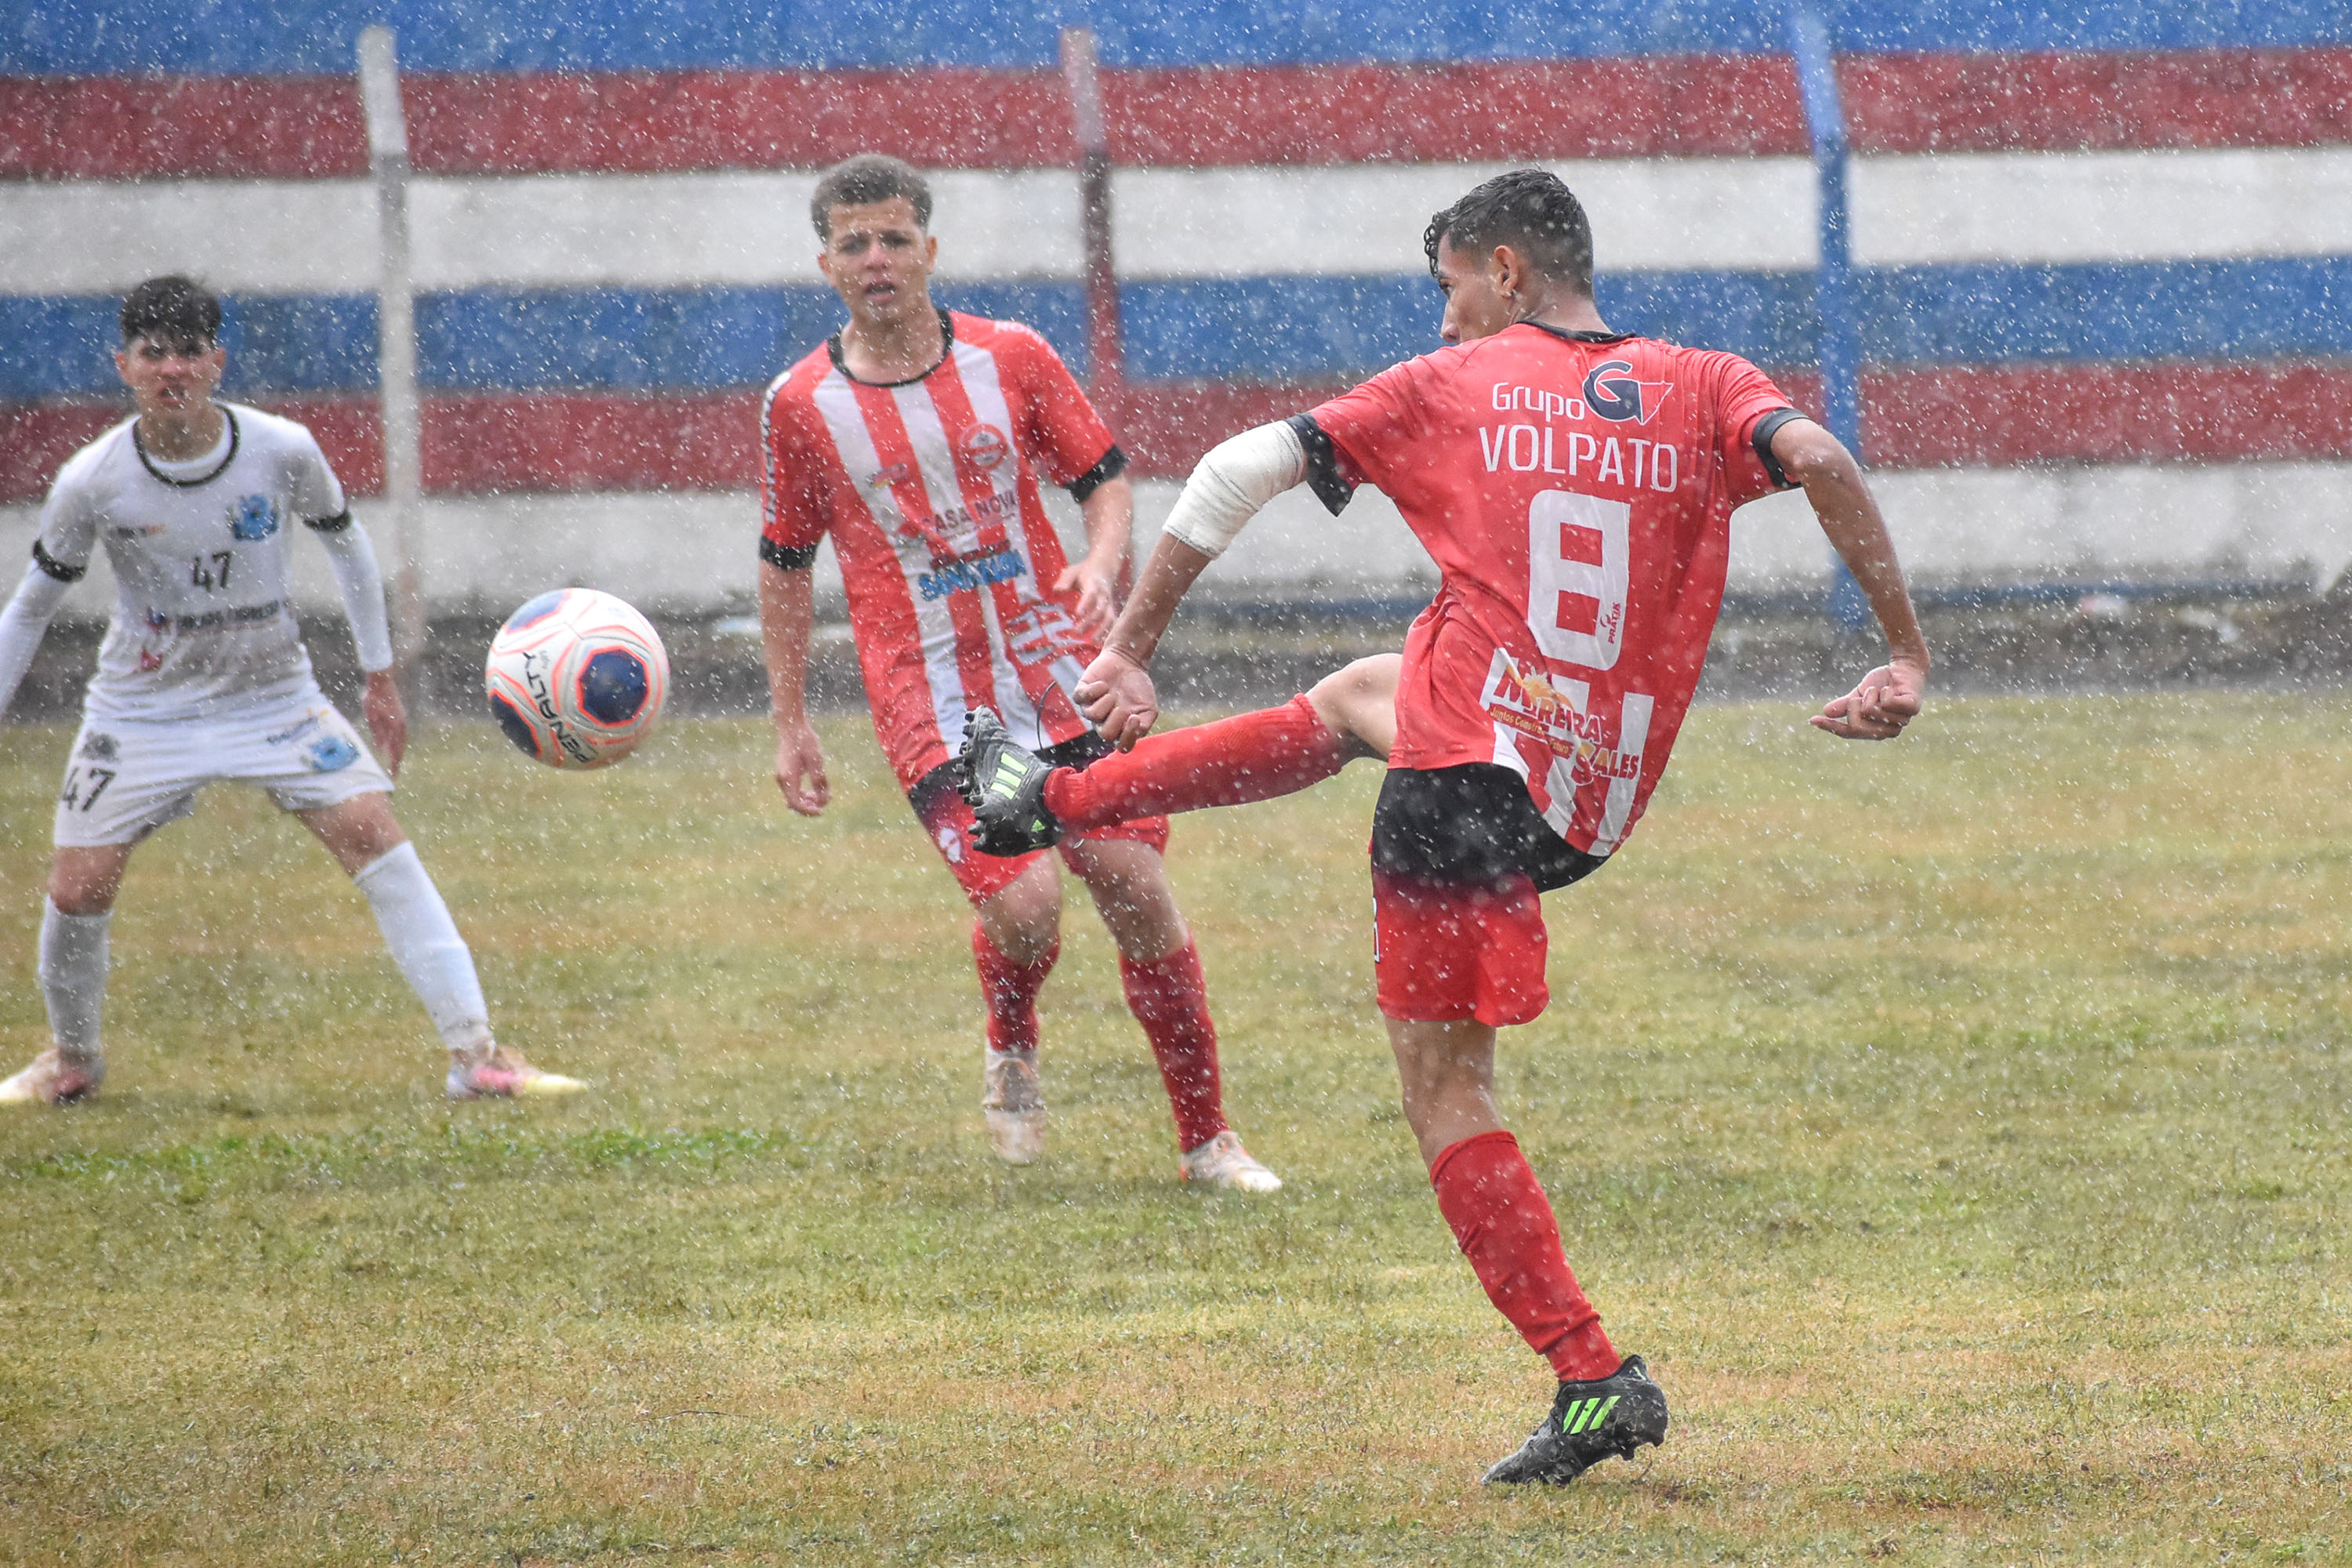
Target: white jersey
203	619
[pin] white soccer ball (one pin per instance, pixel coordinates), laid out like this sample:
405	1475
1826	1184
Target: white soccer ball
577	677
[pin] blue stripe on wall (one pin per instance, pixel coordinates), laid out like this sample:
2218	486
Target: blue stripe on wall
1228	329
123	37
1270	328
517	339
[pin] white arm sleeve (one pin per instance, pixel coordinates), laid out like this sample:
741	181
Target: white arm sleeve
21	625
353	561
1237	478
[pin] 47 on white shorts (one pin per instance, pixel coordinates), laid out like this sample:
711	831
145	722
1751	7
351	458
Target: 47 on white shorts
126	778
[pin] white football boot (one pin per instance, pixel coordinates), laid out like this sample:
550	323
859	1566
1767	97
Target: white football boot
502	1073
1013	1105
1222	1162
54	1079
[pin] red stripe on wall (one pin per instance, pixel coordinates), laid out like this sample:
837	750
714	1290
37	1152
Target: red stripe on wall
1682	105
664	121
1963	416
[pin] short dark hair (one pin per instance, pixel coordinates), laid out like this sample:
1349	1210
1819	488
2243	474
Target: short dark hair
1531	211
172	310
868	177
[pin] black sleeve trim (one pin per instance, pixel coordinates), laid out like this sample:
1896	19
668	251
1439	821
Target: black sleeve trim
787	557
335	524
1766	428
1113	464
55	567
1323	473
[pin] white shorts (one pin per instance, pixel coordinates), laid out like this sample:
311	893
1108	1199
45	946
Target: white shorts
129	777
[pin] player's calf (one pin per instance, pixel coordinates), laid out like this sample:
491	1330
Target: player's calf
1589	1421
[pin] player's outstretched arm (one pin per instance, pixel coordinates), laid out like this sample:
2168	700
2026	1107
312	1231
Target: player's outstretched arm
23	625
1226	490
787	617
1891	695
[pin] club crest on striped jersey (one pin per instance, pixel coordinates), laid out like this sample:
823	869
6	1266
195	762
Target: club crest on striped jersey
986	447
1612	393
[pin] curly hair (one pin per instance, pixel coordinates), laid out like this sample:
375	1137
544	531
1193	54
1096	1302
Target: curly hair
172	310
1531	211
868	177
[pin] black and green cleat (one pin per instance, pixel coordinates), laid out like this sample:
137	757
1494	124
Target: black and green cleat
1004	784
1589	1422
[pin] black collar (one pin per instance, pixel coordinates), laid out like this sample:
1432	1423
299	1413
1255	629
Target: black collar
947	351
148	463
1564	336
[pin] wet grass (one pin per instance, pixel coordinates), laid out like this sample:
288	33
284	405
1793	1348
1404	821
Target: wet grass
1959	1126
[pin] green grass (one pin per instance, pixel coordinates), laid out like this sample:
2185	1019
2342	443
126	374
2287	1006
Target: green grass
1959	1126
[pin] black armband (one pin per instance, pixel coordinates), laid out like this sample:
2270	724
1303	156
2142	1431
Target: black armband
55	567
1324	476
335	524
1766	428
787	557
1113	464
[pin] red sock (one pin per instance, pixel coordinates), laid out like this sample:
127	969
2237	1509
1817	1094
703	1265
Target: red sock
1010	990
1172	1002
1504	1225
1252	756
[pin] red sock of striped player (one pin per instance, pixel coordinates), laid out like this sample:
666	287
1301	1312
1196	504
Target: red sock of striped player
1170	1000
1252	756
1010	990
1505	1226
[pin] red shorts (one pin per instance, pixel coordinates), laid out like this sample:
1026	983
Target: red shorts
1446	952
946	817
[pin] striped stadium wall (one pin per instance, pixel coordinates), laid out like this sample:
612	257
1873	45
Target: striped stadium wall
2104	291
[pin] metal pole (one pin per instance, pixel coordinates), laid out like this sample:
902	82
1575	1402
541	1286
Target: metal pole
387	132
1833	302
1105	359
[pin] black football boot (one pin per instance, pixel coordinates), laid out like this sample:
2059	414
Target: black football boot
1004	784
1589	1422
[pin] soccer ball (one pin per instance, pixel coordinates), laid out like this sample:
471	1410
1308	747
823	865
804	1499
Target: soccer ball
576	678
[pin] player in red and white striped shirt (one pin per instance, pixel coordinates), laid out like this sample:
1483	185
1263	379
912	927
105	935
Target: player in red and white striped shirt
918	439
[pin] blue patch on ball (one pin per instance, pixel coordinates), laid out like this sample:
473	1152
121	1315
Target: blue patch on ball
612	687
536	610
513	724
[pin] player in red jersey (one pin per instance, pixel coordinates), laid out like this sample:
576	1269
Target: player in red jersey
917	439
1575	487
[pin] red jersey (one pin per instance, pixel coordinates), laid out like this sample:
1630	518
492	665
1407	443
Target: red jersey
1576	491
929	489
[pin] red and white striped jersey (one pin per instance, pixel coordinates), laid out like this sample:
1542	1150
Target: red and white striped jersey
929	490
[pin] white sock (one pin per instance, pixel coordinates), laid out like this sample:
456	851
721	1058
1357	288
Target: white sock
424	943
73	977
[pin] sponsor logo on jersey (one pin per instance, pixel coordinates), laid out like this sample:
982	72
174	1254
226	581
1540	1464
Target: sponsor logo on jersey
985	447
330	753
254	517
1039	633
883	479
99	746
951	845
293	733
966	576
1526	700
1612	392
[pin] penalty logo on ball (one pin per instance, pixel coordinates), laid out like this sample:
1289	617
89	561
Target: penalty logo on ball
576	678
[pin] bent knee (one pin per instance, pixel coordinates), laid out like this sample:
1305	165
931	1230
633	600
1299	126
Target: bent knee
1358	703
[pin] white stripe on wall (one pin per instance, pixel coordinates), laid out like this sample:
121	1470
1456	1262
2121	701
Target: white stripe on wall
648	230
1966	526
678	230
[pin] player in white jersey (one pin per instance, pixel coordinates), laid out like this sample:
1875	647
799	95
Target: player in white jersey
204	679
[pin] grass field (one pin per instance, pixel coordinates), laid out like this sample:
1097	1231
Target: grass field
1959	1126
